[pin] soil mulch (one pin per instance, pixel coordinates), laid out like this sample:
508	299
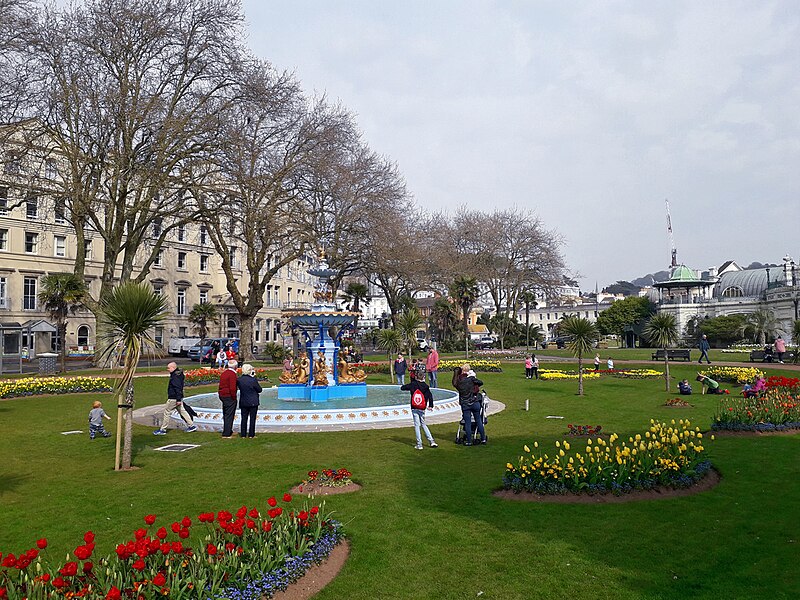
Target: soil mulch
318	576
711	479
678	405
315	489
727	433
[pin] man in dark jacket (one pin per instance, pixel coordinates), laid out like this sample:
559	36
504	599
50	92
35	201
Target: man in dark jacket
249	397
227	395
175	401
704	348
470	403
421	400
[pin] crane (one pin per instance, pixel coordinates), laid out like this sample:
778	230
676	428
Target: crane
671	239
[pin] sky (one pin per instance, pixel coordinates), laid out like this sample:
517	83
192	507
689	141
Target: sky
591	114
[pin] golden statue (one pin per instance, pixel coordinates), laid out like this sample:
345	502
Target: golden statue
346	375
299	372
320	370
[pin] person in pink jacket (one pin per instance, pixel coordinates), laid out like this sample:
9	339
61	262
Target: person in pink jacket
432	367
780	348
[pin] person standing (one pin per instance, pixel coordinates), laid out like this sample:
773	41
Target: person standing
96	416
780	348
421	400
249	396
610	364
175	401
432	366
400	368
528	367
704	348
597	362
227	395
535	366
470	403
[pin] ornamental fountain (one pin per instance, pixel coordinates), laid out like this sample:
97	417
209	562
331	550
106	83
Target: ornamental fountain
321	372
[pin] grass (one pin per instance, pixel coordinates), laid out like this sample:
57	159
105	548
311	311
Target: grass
425	525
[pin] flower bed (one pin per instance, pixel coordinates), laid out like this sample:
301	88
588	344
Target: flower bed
739	348
330	477
556	375
246	555
678	402
479	365
733	374
205	376
501	354
778	381
36	386
777	410
666	455
372	368
583	430
638	374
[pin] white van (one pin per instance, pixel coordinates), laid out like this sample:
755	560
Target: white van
179	346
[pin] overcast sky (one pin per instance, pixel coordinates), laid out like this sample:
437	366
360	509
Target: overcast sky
589	113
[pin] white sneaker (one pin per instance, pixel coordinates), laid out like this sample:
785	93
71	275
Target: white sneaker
434	445
417	447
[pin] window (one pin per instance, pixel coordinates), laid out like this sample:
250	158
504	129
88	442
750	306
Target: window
32	207
3	292
59	211
181	233
3	200
29	293
31	243
55	342
182	332
60	245
732	292
181	301
87	250
204	263
159	337
158	291
181	260
234	257
3	239
83	335
50	168
233	328
203	296
203	235
13	163
157	261
258	330
157	222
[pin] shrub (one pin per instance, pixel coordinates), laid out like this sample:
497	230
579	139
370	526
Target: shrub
671	455
36	386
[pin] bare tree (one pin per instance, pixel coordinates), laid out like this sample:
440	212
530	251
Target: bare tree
127	95
256	200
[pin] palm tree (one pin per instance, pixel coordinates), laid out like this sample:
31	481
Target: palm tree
584	334
201	315
61	295
355	295
464	291
796	338
408	323
443	319
528	298
763	324
661	330
391	341
129	315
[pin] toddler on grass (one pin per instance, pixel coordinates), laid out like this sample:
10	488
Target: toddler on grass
96	416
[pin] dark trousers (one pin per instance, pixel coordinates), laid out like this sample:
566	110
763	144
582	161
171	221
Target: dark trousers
469	412
528	372
535	372
702	354
249	414
228	414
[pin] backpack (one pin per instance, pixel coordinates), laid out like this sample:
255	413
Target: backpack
418	400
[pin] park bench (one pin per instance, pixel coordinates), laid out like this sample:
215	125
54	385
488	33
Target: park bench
761	356
676	354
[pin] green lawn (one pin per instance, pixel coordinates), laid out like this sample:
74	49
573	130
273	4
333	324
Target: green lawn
425	525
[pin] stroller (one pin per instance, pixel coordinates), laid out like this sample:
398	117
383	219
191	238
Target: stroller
461	436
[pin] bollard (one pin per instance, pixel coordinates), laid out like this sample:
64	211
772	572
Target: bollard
527	405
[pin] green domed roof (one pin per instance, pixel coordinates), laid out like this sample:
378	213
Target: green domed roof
682	273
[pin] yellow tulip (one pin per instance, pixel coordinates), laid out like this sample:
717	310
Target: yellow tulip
526	448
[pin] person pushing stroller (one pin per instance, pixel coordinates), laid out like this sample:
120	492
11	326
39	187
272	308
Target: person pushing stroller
466	383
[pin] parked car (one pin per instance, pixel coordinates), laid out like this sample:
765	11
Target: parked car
180	346
200	351
485	342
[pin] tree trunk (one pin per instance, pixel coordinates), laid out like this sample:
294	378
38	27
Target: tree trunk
246	337
62	334
127	444
580	376
666	370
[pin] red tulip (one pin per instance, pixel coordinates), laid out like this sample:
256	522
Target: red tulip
266	526
83	552
88	537
150	519
114	593
41	544
70	569
186	522
272	502
140	533
87	567
161	533
138	565
183	534
211	549
159	580
287	498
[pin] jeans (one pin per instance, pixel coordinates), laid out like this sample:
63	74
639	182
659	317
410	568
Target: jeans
401	379
469	412
171	405
432	376
228	414
419	420
702	354
249	413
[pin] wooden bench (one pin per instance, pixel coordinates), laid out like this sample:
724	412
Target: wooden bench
761	356
676	354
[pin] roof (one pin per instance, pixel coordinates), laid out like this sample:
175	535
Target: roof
479	328
682	276
751	282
